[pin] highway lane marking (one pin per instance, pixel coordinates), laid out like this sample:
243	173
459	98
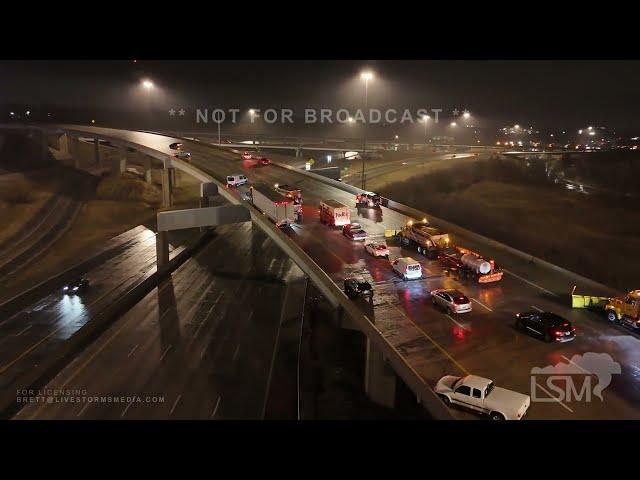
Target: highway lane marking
204	350
530	283
215	303
215	409
133	350
552	397
165	352
482	304
22	331
83	409
437	345
537	308
459	324
124	412
5	367
235	354
175	404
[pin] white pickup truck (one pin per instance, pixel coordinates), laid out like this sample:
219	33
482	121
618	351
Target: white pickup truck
481	395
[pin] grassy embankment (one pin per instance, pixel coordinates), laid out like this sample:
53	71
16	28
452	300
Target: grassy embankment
592	235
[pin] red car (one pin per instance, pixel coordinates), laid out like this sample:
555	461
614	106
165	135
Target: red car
264	161
247	156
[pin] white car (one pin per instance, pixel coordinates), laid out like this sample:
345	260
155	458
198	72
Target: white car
183	155
377	249
481	395
452	300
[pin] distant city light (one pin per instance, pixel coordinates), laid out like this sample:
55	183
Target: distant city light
366	75
592	133
329	158
93	121
453	124
396	137
12	113
466	115
28	112
148	84
579	132
517	127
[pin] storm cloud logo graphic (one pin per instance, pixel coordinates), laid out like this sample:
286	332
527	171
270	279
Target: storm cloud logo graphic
599	364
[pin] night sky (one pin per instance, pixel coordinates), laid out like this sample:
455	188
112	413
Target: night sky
551	94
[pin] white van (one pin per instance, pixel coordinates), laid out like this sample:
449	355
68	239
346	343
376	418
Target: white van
236	180
407	268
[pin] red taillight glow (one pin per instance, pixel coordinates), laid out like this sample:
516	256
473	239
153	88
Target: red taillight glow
558	333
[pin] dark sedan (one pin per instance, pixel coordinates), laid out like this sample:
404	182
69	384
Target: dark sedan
76	287
355	287
546	325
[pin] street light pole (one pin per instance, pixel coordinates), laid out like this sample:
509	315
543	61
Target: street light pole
366	76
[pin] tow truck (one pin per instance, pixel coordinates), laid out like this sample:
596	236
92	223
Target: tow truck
471	265
427	240
624	309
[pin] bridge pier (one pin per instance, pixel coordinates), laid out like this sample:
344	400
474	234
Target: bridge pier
45	146
148	165
168	175
379	379
162	249
119	161
96	151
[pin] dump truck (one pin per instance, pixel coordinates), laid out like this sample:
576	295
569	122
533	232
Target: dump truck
624	309
471	265
427	240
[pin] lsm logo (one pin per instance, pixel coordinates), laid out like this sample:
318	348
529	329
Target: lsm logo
579	379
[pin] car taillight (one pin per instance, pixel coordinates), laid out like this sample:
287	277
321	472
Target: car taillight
573	329
558	333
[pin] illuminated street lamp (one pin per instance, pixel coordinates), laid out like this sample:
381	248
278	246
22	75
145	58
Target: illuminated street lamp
366	76
425	119
148	84
466	115
454	124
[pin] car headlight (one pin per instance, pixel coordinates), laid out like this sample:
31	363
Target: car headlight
65	288
75	288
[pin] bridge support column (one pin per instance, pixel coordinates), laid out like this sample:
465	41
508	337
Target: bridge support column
96	151
167	187
379	379
119	161
147	162
64	145
162	249
72	145
45	146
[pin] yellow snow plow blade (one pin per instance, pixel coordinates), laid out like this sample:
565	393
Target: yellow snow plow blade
390	232
588	301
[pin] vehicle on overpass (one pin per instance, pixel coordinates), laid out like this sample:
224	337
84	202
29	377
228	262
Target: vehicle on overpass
470	265
76	287
427	240
481	395
182	155
407	268
355	287
368	199
546	325
278	208
624	309
264	161
377	249
247	156
175	146
294	194
354	231
334	213
236	180
452	300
